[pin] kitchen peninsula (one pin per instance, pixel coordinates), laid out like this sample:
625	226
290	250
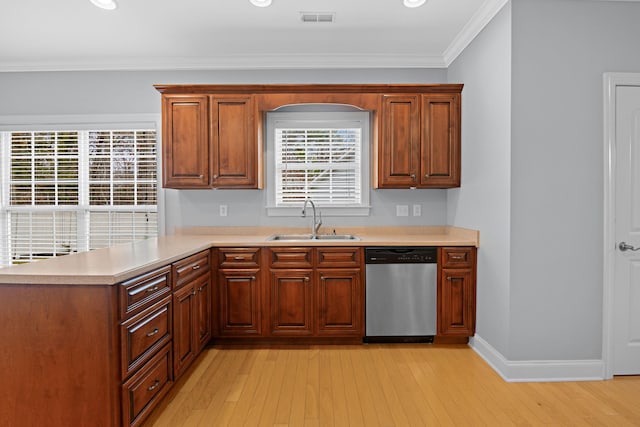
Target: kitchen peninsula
98	338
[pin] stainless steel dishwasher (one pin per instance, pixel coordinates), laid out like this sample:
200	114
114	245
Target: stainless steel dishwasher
400	294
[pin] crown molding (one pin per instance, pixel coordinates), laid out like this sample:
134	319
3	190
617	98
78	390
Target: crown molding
233	62
478	21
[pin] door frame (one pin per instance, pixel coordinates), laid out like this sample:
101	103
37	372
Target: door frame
610	82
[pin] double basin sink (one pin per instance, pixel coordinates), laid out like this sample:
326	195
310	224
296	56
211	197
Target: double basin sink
304	237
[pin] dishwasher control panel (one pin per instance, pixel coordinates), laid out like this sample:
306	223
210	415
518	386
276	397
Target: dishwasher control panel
401	255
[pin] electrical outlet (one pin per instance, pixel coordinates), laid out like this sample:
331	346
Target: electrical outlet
223	210
402	210
417	210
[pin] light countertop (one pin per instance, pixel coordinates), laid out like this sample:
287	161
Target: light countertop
121	262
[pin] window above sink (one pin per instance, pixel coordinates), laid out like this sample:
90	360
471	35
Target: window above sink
319	153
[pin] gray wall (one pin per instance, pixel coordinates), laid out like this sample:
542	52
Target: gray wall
561	48
483	200
112	92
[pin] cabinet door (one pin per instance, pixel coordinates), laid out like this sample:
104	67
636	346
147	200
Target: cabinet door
340	302
291	302
399	148
185	141
184	338
234	142
440	145
456	302
203	314
239	302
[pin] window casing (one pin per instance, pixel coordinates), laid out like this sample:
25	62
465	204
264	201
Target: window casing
66	191
323	156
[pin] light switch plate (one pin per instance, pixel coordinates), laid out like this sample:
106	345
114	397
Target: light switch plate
223	210
402	210
417	210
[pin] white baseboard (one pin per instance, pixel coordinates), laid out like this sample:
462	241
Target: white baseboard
537	370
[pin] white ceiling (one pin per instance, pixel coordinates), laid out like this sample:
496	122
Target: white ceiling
230	34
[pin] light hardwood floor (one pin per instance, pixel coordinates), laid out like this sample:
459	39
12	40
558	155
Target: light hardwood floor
381	385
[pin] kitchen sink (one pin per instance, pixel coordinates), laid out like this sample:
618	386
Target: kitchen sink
302	237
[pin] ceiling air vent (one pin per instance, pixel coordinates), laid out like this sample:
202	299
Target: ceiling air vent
317	16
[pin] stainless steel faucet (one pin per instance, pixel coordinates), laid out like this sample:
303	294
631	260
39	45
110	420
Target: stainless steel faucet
316	223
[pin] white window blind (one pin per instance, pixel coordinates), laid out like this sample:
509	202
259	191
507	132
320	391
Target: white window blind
318	163
72	190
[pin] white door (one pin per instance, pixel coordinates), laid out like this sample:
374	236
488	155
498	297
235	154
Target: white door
626	292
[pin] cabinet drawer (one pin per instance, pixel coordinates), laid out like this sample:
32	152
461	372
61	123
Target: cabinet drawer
143	334
239	257
338	257
139	293
457	257
145	389
291	257
189	268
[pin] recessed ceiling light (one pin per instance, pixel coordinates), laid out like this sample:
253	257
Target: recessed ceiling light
414	3
261	3
105	4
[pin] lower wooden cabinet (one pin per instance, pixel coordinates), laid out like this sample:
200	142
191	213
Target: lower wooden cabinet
291	302
192	311
340	302
143	391
457	292
312	294
240	302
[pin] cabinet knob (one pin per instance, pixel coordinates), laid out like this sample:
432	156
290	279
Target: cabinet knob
215	176
426	175
413	176
200	176
306	279
253	277
194	292
200	289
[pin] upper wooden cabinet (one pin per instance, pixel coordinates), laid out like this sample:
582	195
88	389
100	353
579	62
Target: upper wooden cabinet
209	142
185	141
212	134
234	146
419	144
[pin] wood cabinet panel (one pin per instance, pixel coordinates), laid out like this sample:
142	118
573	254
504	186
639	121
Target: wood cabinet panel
143	391
440	143
291	302
143	334
143	291
400	145
240	302
340	302
204	313
186	270
339	257
185	143
287	257
234	142
457	292
184	341
238	258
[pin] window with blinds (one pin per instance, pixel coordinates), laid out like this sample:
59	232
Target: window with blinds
322	164
318	156
69	191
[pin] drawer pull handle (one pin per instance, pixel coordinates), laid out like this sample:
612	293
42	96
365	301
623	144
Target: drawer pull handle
152	289
238	258
457	257
152	333
155	385
195	267
200	288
